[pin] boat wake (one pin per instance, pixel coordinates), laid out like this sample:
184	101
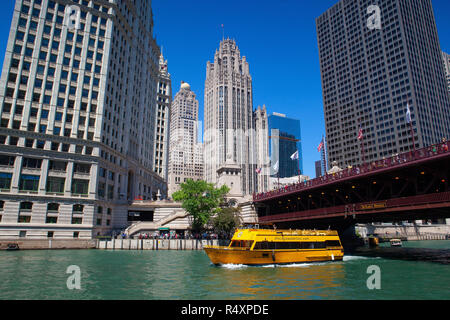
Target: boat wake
233	266
351	258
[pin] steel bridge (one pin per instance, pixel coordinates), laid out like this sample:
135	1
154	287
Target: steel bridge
408	186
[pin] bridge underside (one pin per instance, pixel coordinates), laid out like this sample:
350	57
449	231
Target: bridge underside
416	191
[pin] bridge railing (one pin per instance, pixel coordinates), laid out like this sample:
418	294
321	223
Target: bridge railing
392	162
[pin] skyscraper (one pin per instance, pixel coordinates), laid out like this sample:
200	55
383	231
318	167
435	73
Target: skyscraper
284	142
262	150
185	153
161	153
77	109
229	119
371	71
446	58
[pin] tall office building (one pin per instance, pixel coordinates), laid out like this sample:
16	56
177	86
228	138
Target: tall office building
229	119
284	141
185	153
161	155
77	108
446	58
371	71
262	150
318	167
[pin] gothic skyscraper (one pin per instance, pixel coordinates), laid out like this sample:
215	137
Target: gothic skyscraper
229	118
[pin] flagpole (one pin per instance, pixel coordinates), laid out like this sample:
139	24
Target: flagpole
412	133
361	138
324	158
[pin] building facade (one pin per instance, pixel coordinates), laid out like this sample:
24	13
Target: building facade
161	155
77	108
371	71
185	153
284	141
446	58
262	149
229	119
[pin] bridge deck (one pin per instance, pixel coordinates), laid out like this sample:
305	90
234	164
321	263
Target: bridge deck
366	170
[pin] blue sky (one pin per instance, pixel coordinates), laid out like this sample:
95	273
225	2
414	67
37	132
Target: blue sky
277	37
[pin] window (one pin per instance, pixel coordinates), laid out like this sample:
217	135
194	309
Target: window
24	219
7	160
77	220
53	207
80	187
5	180
31	163
57	165
28	183
55	184
26	206
50	234
78	208
82	168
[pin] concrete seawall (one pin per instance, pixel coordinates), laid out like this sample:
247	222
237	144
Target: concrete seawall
158	244
49	244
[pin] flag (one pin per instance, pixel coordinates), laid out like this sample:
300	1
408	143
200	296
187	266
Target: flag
258	170
320	146
408	114
275	167
360	133
295	156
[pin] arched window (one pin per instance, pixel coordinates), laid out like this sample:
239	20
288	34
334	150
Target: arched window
26	206
53	207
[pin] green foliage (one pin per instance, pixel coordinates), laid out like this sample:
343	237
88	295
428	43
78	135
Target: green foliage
201	200
226	221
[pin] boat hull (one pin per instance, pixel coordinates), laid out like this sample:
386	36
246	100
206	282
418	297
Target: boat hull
225	255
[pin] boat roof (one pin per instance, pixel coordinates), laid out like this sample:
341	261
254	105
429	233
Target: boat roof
248	234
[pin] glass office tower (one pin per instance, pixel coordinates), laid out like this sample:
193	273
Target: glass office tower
284	141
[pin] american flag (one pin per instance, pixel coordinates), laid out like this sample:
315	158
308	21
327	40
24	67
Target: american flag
320	146
360	133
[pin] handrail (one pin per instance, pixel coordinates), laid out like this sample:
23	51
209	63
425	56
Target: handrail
392	162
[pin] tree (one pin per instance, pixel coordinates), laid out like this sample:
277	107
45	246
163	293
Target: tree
201	200
226	221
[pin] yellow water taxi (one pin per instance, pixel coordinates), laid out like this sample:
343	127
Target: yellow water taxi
265	246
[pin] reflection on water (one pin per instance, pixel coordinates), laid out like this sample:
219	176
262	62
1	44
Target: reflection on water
294	281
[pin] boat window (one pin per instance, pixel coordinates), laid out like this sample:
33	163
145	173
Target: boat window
266	245
241	243
333	243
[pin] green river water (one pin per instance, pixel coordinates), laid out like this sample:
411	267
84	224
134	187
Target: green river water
189	275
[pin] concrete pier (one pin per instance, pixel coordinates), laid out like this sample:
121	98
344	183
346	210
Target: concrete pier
49	244
158	244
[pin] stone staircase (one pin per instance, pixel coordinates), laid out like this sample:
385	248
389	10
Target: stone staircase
146	226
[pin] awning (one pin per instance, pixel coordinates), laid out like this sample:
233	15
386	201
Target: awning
163	229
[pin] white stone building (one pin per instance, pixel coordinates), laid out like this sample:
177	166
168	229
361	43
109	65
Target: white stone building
164	100
185	153
230	136
77	117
